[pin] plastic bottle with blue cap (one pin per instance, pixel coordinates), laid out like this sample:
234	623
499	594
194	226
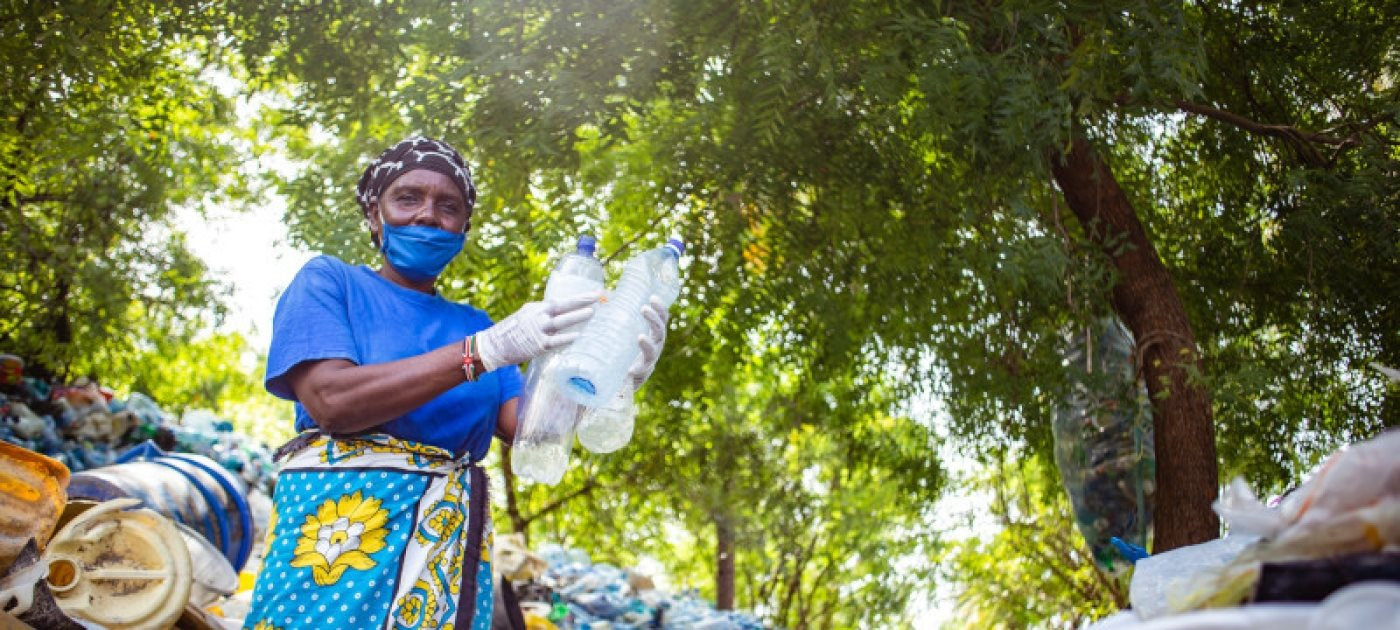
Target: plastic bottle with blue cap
545	431
593	371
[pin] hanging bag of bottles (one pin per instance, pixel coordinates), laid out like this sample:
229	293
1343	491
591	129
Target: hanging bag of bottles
1103	442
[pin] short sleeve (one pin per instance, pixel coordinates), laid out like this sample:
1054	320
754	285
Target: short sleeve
311	322
511	382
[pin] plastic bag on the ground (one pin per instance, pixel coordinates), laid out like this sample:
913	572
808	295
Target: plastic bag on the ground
1365	606
1103	442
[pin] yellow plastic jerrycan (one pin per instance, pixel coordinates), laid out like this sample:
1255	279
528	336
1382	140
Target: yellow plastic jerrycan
120	568
33	489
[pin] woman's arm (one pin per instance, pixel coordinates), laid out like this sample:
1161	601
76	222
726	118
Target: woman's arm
506	421
343	397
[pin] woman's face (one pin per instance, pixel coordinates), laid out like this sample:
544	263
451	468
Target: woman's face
422	197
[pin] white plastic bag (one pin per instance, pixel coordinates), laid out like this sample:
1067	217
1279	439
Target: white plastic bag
1351	504
1167	582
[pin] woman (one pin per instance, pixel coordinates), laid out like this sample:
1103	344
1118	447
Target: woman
380	515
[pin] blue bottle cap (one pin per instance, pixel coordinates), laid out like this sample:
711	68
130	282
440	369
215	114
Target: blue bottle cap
677	245
1131	552
587	244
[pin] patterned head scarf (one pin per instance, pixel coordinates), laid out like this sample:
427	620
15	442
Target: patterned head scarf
412	153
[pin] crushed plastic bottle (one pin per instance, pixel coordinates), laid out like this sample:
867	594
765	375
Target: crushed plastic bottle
594	367
545	431
29	424
146	409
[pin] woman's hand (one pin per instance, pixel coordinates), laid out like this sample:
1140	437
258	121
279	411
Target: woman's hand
651	342
533	330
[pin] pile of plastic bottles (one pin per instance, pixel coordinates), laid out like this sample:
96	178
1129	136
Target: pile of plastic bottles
203	433
85	426
581	595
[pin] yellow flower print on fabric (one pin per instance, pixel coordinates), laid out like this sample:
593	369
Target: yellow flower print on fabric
341	535
443	521
454	570
264	625
411	609
418	455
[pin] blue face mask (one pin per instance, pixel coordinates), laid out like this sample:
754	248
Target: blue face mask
419	252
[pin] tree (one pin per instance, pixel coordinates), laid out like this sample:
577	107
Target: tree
923	105
881	190
109	127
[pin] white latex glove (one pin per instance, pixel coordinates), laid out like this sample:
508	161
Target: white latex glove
651	342
533	330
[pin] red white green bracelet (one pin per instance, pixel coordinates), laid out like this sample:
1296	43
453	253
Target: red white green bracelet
471	359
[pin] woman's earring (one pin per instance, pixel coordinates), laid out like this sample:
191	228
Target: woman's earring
376	230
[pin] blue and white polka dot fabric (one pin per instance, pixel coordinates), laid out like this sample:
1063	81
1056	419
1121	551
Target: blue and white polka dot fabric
370	533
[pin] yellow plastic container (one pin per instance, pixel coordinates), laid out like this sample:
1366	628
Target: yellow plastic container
120	568
33	489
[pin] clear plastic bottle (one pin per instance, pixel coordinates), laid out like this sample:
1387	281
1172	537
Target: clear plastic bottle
544	432
593	369
608	428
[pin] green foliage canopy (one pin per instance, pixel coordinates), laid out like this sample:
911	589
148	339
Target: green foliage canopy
109	127
865	187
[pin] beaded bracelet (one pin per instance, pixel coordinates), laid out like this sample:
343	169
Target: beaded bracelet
471	359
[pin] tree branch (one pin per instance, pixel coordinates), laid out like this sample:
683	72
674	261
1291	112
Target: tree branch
805	598
620	250
42	198
561	501
1286	132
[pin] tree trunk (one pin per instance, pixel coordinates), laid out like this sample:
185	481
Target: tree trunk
517	521
724	563
1146	299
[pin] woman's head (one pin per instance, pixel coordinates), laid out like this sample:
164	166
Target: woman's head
419	181
418	198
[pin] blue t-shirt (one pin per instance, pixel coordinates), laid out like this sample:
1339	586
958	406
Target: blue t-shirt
334	311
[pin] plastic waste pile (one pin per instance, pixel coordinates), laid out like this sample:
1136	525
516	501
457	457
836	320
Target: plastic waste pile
76	424
1327	555
101	527
573	593
1103	443
84	426
68	562
583	389
202	432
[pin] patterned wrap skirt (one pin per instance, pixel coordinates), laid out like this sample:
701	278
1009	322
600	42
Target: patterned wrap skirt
372	531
